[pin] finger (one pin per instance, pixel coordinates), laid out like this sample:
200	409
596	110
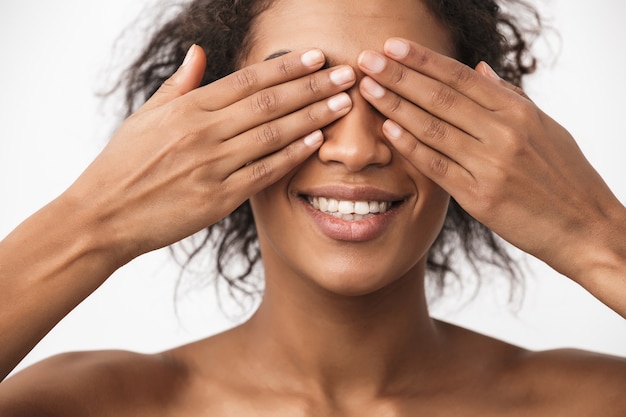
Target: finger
259	174
252	79
485	69
278	101
449	175
272	136
429	129
185	79
448	71
432	95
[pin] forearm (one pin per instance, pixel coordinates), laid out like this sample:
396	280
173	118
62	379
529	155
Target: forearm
48	265
600	262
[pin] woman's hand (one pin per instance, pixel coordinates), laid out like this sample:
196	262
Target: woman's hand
504	161
190	155
183	161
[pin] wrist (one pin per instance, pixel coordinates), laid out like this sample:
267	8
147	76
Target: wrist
50	263
92	229
599	262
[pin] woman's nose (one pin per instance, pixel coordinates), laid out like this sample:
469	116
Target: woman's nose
356	140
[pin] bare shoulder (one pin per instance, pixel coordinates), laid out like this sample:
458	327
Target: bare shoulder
556	382
91	383
590	380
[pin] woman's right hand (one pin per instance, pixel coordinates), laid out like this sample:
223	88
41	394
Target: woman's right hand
189	156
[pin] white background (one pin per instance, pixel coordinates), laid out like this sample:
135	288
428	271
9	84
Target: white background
56	55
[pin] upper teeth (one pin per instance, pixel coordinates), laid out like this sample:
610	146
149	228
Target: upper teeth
331	205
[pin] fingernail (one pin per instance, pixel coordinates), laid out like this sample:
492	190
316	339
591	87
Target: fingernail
339	102
312	58
342	75
396	48
392	129
372	87
313	139
490	71
372	61
190	53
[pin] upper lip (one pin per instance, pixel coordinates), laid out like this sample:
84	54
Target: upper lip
353	193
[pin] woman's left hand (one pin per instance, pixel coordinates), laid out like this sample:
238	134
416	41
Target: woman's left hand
486	143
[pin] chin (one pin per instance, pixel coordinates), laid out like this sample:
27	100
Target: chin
352	286
354	279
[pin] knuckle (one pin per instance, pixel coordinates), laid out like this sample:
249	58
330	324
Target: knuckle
411	149
245	80
474	189
492	197
435	129
486	198
312	116
267	134
512	138
314	86
463	76
439	166
399	75
420	58
395	104
265	102
290	154
286	66
524	113
514	142
443	97
261	171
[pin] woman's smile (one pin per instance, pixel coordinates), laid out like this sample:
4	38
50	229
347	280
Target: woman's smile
351	214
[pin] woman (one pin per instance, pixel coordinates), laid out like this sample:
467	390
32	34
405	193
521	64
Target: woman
349	180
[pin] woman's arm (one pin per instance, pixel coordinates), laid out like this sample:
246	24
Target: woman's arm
183	161
504	161
48	265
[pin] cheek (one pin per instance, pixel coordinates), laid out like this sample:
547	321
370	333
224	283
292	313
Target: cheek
434	198
432	208
271	207
435	212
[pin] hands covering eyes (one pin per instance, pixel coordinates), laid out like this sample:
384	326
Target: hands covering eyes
191	155
505	162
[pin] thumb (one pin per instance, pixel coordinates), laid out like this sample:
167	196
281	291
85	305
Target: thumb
486	70
186	78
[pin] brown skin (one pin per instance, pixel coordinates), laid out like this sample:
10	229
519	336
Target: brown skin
157	167
343	328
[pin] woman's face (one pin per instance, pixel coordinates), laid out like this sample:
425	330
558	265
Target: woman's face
355	168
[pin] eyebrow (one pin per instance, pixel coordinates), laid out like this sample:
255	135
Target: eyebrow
329	62
277	54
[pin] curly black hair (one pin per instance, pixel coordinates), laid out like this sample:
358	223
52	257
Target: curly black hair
498	33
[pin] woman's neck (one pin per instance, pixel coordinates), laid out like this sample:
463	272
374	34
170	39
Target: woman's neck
377	343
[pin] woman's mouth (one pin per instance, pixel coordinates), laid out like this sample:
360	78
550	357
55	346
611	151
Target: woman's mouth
349	210
351	214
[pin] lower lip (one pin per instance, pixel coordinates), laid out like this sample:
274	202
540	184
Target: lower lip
351	230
